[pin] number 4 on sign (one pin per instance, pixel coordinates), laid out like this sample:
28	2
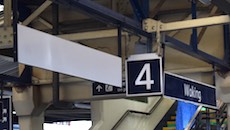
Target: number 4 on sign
147	82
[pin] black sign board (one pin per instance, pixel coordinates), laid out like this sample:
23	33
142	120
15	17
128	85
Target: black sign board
6	113
143	75
185	89
100	89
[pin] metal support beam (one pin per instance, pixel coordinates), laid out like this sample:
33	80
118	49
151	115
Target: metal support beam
150	25
227	43
55	18
46	23
174	33
114	5
56	85
119	41
56	82
7	12
24	80
138	10
91	35
178	45
37	12
193	40
149	44
145	7
15	29
223	5
154	12
6	40
203	30
105	14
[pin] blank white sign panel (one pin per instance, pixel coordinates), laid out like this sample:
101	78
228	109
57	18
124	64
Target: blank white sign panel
49	52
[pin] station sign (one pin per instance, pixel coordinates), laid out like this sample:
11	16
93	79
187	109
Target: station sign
144	75
44	52
6	113
188	90
100	89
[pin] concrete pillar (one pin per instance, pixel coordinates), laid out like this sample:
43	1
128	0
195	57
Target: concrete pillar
31	122
29	108
97	114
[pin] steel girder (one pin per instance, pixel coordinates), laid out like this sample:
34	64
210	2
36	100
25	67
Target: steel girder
226	29
105	14
224	5
187	49
140	9
109	16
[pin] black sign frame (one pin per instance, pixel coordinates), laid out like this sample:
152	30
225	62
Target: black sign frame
197	87
111	90
150	58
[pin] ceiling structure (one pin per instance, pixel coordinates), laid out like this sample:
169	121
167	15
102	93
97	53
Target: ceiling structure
82	22
72	20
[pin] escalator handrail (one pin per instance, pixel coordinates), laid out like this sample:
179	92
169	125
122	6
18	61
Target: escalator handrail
136	112
193	118
221	114
223	109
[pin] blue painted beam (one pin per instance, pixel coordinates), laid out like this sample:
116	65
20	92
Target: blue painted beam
141	11
145	8
187	49
138	10
194	39
224	5
105	14
24	80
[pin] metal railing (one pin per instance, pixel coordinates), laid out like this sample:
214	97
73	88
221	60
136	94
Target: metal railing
191	122
197	120
136	112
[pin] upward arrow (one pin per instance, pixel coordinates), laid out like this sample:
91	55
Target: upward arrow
99	88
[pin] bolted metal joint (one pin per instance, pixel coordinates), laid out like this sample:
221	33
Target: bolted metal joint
150	25
6	37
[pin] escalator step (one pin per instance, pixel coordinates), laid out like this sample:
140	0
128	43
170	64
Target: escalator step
169	128
173	118
171	123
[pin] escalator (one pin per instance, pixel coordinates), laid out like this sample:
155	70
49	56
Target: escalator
144	116
210	119
203	119
168	122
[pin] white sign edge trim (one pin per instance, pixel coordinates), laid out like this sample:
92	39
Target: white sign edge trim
140	57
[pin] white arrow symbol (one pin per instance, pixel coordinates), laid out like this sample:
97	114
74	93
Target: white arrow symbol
4	119
4	111
99	88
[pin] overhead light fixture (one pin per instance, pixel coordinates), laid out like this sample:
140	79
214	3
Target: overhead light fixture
206	2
